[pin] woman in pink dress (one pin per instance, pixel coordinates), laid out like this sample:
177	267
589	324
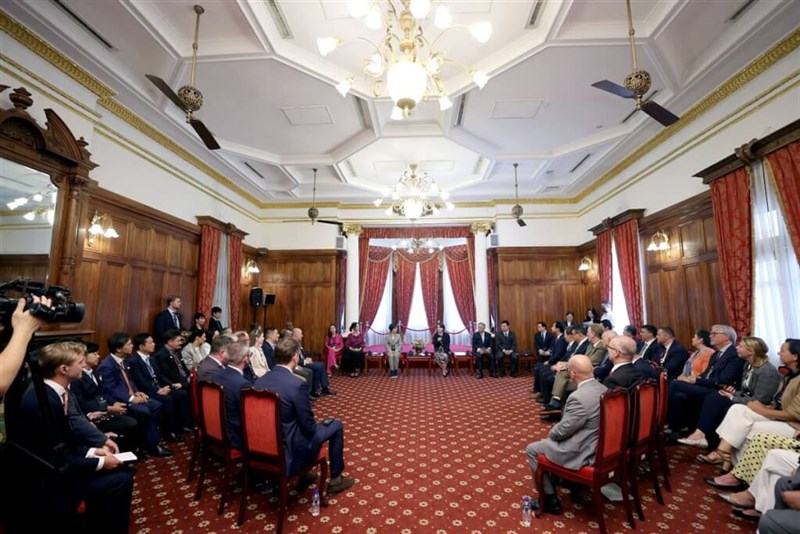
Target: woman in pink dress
334	344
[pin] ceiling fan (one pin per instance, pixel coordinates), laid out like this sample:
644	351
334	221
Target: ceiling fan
516	211
313	212
189	98
637	83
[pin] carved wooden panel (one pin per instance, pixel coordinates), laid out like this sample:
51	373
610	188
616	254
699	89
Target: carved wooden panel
33	266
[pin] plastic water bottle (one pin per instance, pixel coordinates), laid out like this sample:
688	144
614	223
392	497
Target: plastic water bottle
526	511
315	503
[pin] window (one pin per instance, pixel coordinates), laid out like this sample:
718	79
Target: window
450	316
417	327
619	308
376	334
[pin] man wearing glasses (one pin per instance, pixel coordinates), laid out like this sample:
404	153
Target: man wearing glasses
621	351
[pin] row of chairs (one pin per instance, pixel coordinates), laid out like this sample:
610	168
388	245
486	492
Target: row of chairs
262	451
631	431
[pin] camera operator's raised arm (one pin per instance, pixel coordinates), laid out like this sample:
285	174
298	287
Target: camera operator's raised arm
24	325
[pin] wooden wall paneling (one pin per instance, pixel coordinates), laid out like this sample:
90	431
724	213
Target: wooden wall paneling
33	266
112	307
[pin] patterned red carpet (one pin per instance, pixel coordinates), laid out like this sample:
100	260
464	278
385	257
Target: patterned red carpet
430	454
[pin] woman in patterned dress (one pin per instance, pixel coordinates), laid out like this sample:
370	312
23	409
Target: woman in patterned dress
441	348
394	346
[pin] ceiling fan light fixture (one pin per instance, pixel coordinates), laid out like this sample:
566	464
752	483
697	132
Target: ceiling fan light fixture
481	31
397	114
443	18
344	86
480	78
373	20
406	82
420	8
326	45
445	103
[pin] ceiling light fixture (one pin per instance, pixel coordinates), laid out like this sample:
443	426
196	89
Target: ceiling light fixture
414	246
517	210
586	264
411	64
101	226
659	241
415	196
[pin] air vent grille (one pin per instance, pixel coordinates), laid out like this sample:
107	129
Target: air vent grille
741	11
363	113
280	20
581	162
458	116
536	14
351	171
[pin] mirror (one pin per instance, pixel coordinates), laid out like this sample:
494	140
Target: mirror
27	210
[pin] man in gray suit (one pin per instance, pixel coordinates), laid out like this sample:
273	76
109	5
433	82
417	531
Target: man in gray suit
572	442
784	517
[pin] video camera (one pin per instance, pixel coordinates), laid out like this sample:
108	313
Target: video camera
61	309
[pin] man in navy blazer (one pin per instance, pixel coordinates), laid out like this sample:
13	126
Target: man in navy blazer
544	376
270	340
506	346
118	386
302	435
621	351
88	471
544	341
169	319
674	355
482	345
650	349
233	381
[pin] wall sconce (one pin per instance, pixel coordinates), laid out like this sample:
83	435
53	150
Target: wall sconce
659	241
252	267
586	264
101	225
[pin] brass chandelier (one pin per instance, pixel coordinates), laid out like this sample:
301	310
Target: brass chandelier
415	196
417	245
410	63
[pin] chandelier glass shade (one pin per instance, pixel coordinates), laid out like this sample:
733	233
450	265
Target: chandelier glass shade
415	196
404	63
659	241
41	204
416	245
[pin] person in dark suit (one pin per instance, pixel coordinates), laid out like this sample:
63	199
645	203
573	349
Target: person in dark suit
544	341
633	333
549	375
169	319
441	348
270	340
621	351
650	348
208	368
572	442
569	321
86	474
506	346
542	370
233	381
320	385
603	370
118	386
673	357
302	436
169	363
215	323
149	377
482	346
560	375
687	393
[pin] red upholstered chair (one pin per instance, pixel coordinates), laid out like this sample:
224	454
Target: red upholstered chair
643	439
661	422
194	398
263	447
214	439
610	460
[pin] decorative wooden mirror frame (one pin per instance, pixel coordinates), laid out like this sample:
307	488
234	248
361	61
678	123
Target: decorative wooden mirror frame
55	151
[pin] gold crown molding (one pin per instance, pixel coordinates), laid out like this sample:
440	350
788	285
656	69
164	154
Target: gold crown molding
54	57
354	229
44	83
734	83
481	227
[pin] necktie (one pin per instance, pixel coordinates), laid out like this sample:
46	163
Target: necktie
91	375
175	320
150	368
65	400
127	381
178	364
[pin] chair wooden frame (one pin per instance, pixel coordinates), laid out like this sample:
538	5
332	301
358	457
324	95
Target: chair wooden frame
214	438
608	466
194	398
378	358
643	439
467	358
661	422
261	412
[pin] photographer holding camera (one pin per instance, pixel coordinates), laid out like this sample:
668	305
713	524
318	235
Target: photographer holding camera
24	324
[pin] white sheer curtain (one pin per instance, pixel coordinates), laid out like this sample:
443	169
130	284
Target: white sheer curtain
619	307
417	319
777	273
380	324
450	316
222	289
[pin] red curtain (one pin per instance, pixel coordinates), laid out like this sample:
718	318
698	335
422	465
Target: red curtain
462	281
626	240
376	271
404	287
363	263
730	198
604	265
785	166
434	232
207	275
235	275
429	273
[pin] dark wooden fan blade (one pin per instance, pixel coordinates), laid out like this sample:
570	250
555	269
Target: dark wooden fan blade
167	90
329	222
204	134
521	223
613	88
664	116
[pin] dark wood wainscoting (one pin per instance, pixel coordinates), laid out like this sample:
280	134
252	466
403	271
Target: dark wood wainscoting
541	284
682	285
124	281
304	283
33	266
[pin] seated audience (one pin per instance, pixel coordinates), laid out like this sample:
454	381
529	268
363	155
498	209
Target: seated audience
85	473
302	435
607	325
216	359
548	374
569	321
243	337
334	345
633	333
561	377
233	381
482	343
572	442
557	351
591	317
760	381
198	322
195	350
258	360
783	519
650	349
215	324
673	355
394	347
544	341
621	351
781	417
753	456
506	346
319	377
602	370
353	360
698	361
441	348
169	363
270	340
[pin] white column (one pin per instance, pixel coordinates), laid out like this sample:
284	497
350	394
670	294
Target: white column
352	231
482	311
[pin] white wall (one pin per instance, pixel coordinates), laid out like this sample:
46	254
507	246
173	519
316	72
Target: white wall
20	240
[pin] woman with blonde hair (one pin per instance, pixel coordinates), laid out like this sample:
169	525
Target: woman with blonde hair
258	360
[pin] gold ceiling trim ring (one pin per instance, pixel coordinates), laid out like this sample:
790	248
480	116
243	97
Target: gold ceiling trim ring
143	127
740	113
41	81
47	52
734	83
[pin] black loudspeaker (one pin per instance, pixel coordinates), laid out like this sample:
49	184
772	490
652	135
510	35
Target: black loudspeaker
256	296
269	299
